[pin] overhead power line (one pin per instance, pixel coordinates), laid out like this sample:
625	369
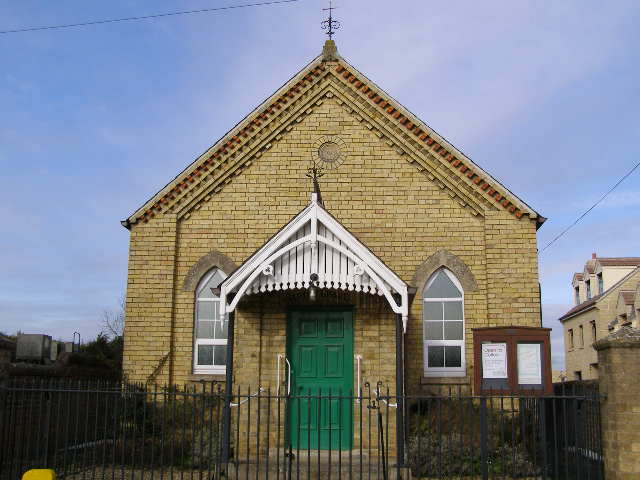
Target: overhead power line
145	17
557	237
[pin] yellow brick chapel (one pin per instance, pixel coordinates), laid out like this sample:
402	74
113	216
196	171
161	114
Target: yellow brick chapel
330	240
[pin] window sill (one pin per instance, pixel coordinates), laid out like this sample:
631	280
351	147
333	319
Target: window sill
449	380
206	377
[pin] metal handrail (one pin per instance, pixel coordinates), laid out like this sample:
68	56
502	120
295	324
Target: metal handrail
280	356
260	390
358	378
288	376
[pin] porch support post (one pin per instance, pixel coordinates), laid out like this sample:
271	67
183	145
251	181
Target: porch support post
400	389
226	418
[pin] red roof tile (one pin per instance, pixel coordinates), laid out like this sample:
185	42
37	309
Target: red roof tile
581	307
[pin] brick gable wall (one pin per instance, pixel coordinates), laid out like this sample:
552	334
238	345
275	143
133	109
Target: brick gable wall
395	210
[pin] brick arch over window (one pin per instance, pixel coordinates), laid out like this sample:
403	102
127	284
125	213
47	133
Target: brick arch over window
213	259
444	258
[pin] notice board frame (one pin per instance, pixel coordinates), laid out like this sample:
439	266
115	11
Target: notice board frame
512	336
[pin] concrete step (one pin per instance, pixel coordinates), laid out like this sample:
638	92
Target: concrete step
322	465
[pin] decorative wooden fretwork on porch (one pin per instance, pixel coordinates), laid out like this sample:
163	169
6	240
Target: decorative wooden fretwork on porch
314	251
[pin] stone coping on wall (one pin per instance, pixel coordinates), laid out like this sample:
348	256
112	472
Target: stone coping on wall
626	337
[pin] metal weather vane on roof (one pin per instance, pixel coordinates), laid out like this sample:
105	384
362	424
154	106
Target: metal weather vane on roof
330	25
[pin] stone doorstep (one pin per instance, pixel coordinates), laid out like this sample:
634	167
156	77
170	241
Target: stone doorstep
316	464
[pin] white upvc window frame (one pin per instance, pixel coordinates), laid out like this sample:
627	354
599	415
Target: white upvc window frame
428	371
207	369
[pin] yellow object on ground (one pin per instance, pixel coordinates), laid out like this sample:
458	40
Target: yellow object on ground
39	474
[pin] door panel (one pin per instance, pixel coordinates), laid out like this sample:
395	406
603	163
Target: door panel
320	349
307	365
333	361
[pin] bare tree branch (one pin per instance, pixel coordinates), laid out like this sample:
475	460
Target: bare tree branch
113	320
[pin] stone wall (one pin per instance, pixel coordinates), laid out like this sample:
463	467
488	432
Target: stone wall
150	303
618	356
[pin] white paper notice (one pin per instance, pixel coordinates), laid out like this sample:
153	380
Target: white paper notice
529	364
494	360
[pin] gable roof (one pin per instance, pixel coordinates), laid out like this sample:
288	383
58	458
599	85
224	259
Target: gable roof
582	307
619	261
328	76
577	277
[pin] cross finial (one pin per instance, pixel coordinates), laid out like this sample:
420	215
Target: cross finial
314	173
330	25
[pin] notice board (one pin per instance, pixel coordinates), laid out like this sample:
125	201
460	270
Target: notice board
512	360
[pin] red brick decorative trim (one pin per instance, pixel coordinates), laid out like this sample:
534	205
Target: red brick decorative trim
389	109
237	139
231	144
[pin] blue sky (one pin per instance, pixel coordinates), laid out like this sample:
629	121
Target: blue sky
543	95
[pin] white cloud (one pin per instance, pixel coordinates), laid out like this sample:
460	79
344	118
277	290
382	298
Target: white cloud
470	67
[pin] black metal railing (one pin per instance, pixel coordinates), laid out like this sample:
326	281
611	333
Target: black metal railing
106	430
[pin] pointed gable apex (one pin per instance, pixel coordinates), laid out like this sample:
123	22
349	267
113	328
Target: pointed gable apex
314	250
328	76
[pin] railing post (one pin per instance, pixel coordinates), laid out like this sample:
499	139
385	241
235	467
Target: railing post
4	420
543	424
47	426
484	439
226	415
400	440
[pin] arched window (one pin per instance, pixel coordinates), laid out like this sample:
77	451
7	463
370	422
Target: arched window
443	330
210	332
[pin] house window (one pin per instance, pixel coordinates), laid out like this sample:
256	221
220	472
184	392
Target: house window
593	330
570	332
577	293
210	333
600	284
577	375
581	335
588	285
443	326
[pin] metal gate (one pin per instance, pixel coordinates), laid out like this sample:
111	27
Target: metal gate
99	430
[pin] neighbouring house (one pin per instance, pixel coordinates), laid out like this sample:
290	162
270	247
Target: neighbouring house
604	294
627	310
376	269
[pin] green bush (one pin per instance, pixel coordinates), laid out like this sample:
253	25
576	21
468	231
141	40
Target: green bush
100	353
436	456
444	439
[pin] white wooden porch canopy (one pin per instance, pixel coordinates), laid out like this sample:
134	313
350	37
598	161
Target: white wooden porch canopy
314	242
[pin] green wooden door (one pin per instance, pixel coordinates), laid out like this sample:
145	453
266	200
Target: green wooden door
320	349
